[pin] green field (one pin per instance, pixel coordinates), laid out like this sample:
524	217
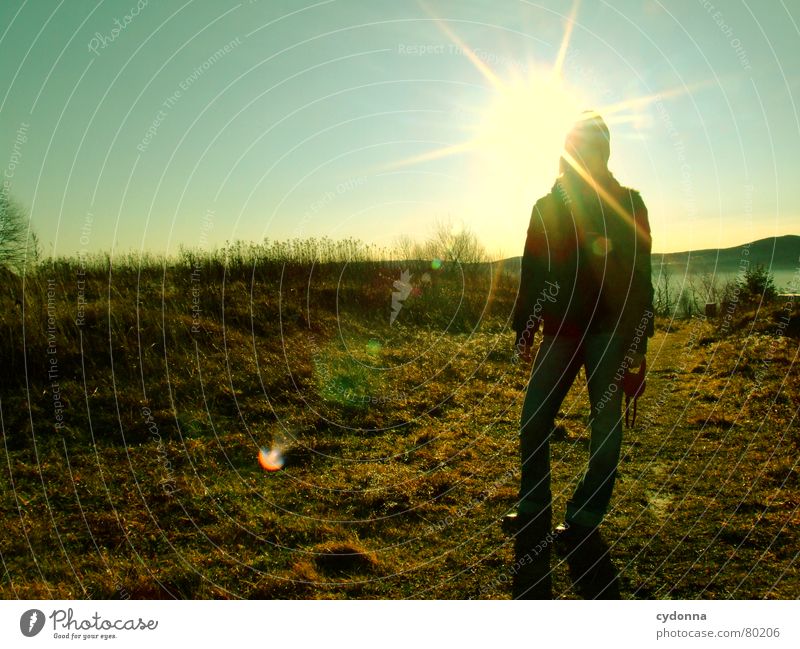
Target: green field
135	397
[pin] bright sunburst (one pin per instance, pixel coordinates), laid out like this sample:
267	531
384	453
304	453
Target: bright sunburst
519	135
526	117
515	140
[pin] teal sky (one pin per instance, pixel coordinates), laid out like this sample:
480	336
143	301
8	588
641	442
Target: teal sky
199	122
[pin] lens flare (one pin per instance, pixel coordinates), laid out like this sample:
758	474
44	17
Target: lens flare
602	246
270	459
374	347
436	264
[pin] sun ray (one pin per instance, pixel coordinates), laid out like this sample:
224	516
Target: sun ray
435	154
484	69
640	102
564	47
603	192
628	118
523	124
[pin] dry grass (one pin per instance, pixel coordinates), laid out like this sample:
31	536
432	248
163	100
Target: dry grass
400	441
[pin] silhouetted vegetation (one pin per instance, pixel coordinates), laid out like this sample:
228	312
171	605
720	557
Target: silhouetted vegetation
18	244
136	392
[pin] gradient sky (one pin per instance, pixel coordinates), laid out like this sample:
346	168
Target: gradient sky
204	121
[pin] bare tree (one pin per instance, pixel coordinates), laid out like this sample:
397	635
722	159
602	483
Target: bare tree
459	245
18	244
687	300
446	243
664	300
709	285
405	247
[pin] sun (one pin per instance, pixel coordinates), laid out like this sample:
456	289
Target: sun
519	135
527	118
512	142
515	141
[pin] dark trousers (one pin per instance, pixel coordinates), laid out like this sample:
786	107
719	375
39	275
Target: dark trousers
554	369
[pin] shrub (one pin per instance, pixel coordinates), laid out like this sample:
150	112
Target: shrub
759	284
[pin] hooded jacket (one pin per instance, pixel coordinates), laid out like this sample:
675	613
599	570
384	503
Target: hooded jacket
586	263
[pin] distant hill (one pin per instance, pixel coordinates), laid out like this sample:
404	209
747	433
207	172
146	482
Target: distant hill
776	253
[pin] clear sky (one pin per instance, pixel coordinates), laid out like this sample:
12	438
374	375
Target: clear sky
132	125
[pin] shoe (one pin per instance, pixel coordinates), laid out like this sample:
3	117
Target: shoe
571	537
593	573
510	524
597	581
532	577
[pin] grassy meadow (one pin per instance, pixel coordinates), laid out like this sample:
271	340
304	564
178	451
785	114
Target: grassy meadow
136	393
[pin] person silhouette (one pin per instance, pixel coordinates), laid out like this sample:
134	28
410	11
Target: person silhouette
586	281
